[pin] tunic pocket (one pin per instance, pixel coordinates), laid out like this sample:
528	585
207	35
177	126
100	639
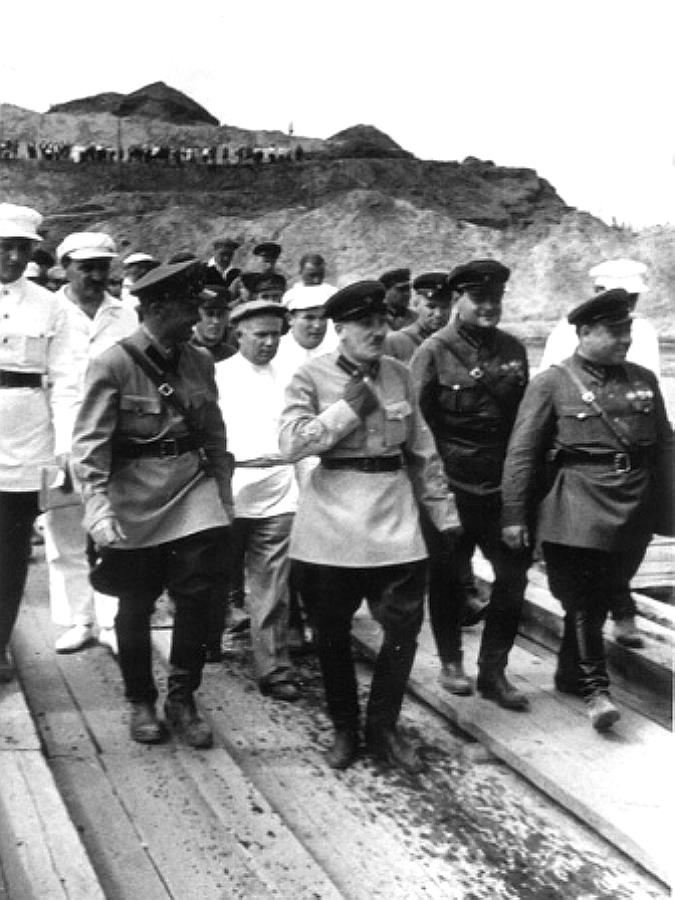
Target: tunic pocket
29	350
580	424
396	415
139	416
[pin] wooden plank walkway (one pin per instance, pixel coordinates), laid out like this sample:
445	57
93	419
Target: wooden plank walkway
40	850
261	814
619	783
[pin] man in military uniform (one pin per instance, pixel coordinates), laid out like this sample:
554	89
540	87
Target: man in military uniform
219	269
38	391
644	350
268	252
601	423
356	533
431	304
470	378
212	330
149	450
397	297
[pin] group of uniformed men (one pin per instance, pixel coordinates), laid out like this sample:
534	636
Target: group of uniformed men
223	437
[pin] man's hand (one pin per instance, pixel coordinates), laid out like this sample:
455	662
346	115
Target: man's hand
516	537
106	532
360	397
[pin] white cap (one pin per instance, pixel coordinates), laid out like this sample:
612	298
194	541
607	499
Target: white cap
136	258
19	222
307	296
620	273
86	245
32	270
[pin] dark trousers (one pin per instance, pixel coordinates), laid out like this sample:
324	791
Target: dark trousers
395	596
18	511
447	587
188	568
585	581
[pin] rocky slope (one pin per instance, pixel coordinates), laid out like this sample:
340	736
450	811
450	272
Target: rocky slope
358	198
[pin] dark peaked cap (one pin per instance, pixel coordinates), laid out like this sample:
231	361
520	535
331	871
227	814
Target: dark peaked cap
269	281
478	273
267	248
612	307
434	285
356	301
395	278
224	243
173	281
214	296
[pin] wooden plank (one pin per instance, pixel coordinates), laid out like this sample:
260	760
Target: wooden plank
17	731
115	849
41	854
183	836
363	853
271	848
194	829
604	779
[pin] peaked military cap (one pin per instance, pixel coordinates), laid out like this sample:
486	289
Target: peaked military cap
215	296
612	307
225	244
356	301
433	285
250	308
267	248
172	281
268	281
395	278
478	273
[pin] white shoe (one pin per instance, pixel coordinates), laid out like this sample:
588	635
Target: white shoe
74	639
107	637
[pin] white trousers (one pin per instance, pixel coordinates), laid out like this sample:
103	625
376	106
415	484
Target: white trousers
72	599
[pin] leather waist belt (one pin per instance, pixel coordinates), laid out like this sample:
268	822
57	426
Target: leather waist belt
619	461
19	379
166	448
364	463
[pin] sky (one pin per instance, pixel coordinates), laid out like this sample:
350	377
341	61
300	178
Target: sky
580	90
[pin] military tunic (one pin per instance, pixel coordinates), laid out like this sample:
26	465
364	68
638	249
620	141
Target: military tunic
402	344
36	421
471	424
595	506
382	527
156	499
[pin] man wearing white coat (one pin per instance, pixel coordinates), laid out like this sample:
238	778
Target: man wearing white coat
37	392
97	321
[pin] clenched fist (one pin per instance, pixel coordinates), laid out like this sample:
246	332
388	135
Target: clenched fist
360	397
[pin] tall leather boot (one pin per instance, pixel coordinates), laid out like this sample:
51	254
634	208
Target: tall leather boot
567	678
392	669
339	681
453	677
588	625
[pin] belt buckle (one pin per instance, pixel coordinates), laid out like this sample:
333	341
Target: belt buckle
622	463
168	448
368	464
